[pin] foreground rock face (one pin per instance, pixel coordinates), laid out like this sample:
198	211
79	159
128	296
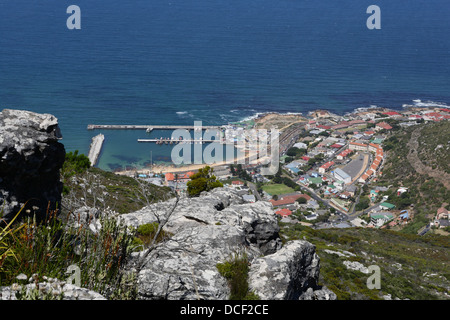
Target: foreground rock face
51	289
212	229
289	274
30	162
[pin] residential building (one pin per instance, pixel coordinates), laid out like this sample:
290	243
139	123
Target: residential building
284	212
392	114
344	154
358	146
311	217
379	219
237	183
351	189
387	206
442	213
250	198
288	200
382	125
325	167
373	195
300	145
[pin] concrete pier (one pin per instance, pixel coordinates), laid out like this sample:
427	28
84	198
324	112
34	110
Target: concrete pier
173	141
96	148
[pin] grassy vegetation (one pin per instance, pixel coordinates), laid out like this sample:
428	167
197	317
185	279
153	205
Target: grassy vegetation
145	234
235	270
412	267
277	189
48	249
121	193
434	146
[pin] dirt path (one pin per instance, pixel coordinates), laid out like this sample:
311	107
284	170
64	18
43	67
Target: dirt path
414	160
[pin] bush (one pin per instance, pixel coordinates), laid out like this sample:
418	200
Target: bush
146	233
203	180
235	271
75	163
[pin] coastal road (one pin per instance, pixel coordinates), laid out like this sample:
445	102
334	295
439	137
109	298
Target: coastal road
354	215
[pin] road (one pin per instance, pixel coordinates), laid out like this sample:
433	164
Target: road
254	190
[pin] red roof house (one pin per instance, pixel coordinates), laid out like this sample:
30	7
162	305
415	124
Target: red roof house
383	125
392	113
169	177
325	166
287	200
284	212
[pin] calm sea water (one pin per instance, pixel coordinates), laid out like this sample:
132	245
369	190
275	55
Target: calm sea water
176	61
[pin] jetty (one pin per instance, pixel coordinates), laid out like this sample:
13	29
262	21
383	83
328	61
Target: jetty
148	128
96	148
176	141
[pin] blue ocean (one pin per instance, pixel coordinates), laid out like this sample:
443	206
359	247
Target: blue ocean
215	61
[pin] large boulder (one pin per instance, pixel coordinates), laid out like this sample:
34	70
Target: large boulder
185	266
212	229
291	273
30	161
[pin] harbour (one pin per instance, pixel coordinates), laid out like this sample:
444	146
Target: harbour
149	128
176	141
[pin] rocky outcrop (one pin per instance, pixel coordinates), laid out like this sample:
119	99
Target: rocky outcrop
289	274
50	289
30	162
211	229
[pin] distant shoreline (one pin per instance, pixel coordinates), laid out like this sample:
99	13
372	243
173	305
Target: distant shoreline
261	118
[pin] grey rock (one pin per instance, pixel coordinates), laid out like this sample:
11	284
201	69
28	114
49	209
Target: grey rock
30	161
321	294
206	230
211	229
355	265
53	288
287	273
185	266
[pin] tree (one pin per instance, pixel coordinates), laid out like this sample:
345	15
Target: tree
203	180
362	204
75	163
301	200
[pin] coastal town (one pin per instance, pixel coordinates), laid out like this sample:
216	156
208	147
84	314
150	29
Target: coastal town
329	169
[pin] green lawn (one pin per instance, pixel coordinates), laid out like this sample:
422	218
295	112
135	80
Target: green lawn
277	189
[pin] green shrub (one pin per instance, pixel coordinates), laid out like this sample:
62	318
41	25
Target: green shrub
146	232
235	271
203	180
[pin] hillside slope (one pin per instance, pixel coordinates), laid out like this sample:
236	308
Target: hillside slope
418	158
411	266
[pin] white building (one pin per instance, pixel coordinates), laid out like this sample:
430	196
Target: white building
340	174
300	145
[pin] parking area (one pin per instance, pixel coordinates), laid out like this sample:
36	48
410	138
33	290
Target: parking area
357	166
